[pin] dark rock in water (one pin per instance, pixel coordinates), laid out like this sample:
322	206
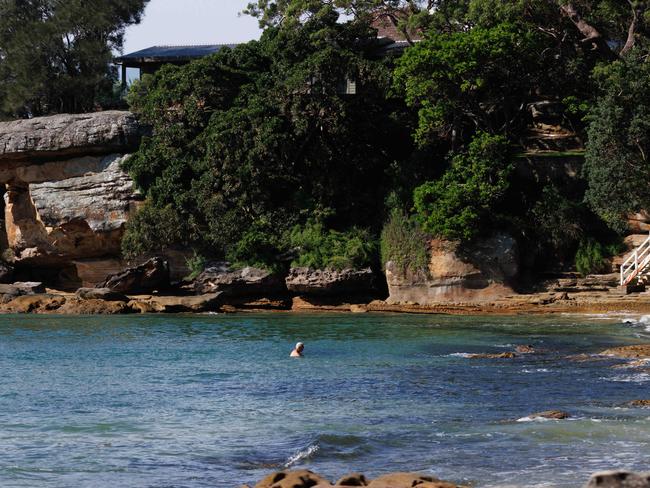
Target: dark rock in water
619	479
550	414
502	355
330	282
149	276
640	351
101	294
640	403
302	478
353	479
6	272
245	282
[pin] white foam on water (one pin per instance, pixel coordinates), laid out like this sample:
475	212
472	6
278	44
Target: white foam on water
459	355
630	378
538	370
533	419
306	453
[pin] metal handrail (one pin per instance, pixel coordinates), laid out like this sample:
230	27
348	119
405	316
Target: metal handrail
636	263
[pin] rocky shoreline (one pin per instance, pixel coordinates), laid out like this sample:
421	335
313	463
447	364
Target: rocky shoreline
308	479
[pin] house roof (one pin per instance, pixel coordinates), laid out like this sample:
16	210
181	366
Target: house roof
168	54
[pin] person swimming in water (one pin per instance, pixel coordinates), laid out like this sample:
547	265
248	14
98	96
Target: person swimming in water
297	351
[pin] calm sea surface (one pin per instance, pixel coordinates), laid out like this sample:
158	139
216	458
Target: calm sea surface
211	401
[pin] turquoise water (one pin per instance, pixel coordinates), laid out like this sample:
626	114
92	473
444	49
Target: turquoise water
194	401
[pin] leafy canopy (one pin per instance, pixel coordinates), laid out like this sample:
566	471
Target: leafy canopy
55	54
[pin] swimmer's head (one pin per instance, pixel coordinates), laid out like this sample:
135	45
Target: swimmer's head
299	346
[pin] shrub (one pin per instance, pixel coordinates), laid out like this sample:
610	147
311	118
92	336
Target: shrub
196	265
592	257
404	243
320	248
152	229
458	204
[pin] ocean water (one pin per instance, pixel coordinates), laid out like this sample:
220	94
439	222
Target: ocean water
214	400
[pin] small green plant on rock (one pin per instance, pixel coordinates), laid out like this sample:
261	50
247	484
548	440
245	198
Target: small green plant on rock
404	243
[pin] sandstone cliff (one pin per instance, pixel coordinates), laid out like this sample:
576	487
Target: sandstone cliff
66	198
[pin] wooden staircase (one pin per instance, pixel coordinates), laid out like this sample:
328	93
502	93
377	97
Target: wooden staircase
637	265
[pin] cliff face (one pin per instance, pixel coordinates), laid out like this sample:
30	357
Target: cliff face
66	199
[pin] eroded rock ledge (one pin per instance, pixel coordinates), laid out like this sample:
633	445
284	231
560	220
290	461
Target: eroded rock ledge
66	197
68	135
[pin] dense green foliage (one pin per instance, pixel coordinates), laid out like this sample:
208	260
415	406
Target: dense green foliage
405	244
258	157
55	54
594	257
319	248
459	205
617	167
251	142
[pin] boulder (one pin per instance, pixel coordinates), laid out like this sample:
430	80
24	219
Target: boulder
550	414
640	403
619	479
353	479
178	304
147	277
483	271
501	355
105	294
41	303
302	478
244	282
640	351
76	306
525	349
68	135
408	480
22	288
331	282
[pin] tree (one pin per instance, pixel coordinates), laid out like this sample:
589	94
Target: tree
459	205
55	54
253	141
616	166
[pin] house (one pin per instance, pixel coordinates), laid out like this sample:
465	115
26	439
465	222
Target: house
149	60
390	40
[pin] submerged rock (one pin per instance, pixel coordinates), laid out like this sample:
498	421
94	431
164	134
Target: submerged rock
331	282
501	355
640	403
639	351
145	278
244	282
550	414
619	479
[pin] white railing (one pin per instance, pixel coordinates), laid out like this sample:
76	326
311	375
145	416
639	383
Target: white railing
637	263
